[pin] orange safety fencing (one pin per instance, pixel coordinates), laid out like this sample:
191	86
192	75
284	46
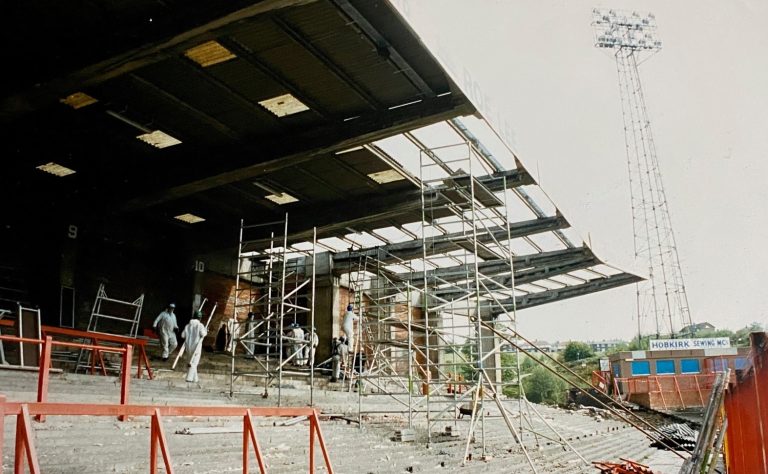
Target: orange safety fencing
25	446
672	391
46	346
97	338
746	407
600	380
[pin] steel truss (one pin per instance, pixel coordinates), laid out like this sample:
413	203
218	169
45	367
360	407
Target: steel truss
662	298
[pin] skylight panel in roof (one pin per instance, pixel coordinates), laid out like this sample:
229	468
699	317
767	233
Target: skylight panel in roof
386	176
547	241
208	54
584	275
56	169
189	218
364	239
398	268
437	135
392	234
349	150
281	198
303	246
78	100
521	247
402	151
334	243
159	139
283	105
443	262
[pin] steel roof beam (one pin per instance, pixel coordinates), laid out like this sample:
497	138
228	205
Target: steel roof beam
334	68
361	213
550	296
393	253
384	48
524	265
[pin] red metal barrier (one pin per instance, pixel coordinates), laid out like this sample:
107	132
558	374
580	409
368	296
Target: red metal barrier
45	365
96	338
672	391
746	407
25	447
600	380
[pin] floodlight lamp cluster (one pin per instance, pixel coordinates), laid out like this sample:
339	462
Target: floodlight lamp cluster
625	30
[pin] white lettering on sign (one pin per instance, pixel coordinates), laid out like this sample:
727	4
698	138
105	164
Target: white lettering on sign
199	266
72	231
688	344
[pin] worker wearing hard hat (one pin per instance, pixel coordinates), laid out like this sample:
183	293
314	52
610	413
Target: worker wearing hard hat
165	325
193	335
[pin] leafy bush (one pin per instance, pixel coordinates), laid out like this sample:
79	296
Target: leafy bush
543	386
576	351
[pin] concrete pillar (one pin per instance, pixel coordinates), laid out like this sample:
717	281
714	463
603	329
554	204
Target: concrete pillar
490	342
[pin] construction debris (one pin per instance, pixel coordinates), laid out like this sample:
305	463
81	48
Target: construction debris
291	421
627	466
209	430
679	436
405	435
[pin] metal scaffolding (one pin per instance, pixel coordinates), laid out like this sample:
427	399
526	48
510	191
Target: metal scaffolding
274	310
424	340
435	295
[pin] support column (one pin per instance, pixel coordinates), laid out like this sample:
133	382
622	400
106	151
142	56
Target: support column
490	343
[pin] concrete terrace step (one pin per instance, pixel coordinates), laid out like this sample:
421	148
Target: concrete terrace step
101	444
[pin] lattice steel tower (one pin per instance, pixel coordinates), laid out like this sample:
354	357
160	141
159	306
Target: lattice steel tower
662	297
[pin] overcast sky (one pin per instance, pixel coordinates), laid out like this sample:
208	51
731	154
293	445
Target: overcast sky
531	67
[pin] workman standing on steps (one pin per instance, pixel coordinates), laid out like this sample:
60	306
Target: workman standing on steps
165	325
338	349
193	335
296	344
311	347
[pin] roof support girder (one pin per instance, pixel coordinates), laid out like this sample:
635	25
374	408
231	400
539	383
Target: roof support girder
412	249
592	286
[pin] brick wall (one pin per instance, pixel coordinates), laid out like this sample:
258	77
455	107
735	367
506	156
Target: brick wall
220	289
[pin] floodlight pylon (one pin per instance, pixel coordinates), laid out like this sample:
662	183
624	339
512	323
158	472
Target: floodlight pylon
663	295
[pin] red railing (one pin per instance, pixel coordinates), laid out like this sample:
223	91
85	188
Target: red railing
746	408
600	380
46	346
25	446
96	338
669	388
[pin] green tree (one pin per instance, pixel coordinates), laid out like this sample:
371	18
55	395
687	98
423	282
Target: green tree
543	386
575	350
624	346
741	337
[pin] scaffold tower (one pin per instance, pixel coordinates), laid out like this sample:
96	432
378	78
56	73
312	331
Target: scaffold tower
661	299
430	317
273	316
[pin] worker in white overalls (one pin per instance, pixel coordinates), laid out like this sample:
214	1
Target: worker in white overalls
348	327
296	344
165	324
339	349
193	335
311	347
